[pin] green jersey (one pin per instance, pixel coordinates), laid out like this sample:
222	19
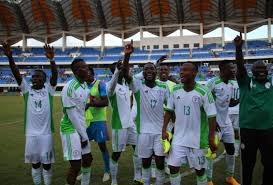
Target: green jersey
256	100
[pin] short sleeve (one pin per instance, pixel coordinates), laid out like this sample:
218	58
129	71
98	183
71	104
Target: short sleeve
209	105
51	89
210	85
69	99
24	86
102	88
170	103
135	85
139	76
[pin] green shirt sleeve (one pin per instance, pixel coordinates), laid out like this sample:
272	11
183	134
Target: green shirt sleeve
244	82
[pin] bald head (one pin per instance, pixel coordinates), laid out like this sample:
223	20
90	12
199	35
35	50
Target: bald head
259	63
260	71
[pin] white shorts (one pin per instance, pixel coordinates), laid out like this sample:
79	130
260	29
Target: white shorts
72	149
149	144
179	155
39	149
227	134
123	137
234	120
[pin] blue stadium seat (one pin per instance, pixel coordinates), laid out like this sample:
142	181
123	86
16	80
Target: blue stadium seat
36	59
202	55
139	57
141	52
112	58
180	56
162	51
89	51
89	58
113	51
155	57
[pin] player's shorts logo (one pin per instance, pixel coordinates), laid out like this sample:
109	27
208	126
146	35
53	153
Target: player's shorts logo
195	99
242	146
76	153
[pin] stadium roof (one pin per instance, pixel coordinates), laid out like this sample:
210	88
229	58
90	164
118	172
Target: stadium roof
40	18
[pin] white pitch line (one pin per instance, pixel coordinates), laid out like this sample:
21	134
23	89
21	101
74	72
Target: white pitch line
14	122
10	123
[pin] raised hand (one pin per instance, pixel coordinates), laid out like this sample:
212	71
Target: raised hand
238	41
129	49
119	65
161	59
49	51
7	50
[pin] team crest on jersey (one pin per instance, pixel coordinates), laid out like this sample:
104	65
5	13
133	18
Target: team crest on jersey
178	98
267	85
195	99
146	91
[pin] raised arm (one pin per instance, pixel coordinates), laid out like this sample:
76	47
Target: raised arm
14	69
111	86
241	70
49	53
128	50
160	60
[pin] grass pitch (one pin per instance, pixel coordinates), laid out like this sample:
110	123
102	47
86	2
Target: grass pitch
13	171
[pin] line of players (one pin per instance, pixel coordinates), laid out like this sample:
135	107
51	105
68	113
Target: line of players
198	110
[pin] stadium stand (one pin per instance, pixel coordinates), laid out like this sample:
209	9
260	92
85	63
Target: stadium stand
256	48
209	51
